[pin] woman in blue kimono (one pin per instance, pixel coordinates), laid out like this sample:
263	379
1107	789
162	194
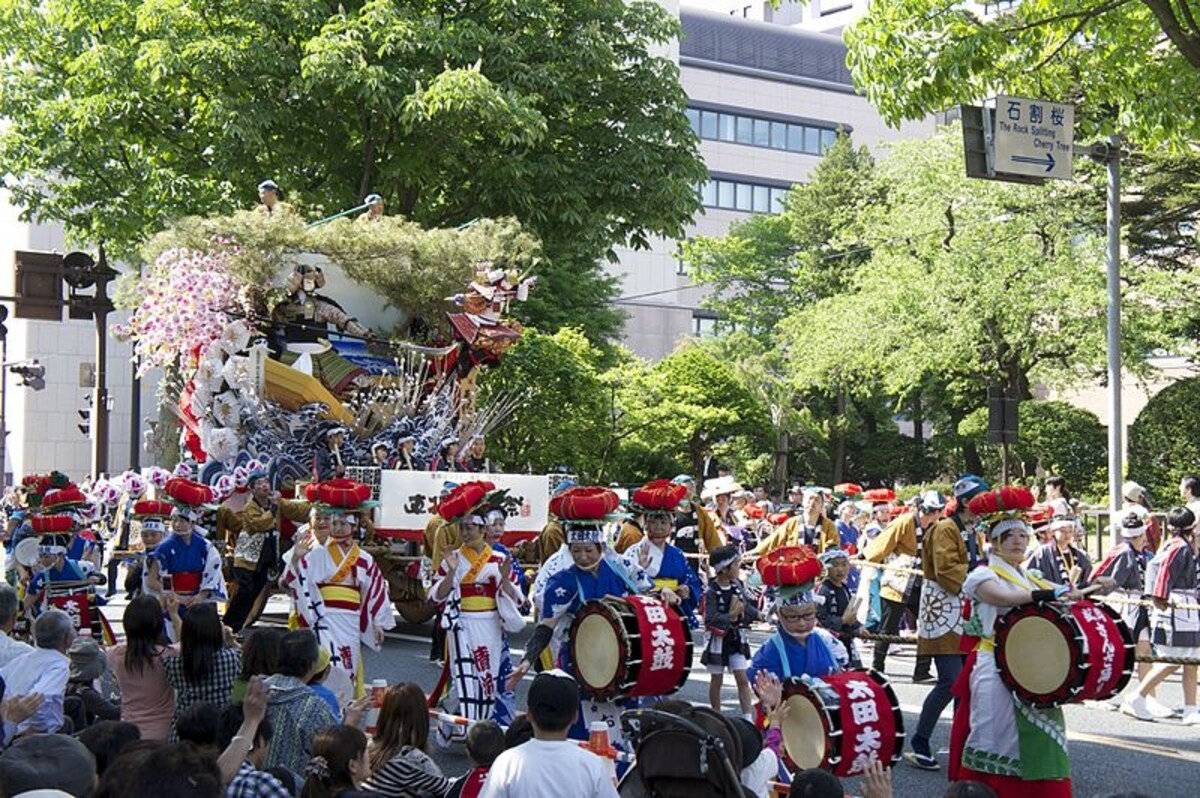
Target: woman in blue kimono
675	581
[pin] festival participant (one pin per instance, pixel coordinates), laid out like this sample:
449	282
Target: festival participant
552	538
1136	497
1189	490
405	458
847	532
479	601
327	463
837	608
798	647
339	591
149	522
675	582
1061	560
374	211
256	546
811	528
693	524
132	487
446	458
440	536
900	545
1016	749
1125	563
53	533
185	563
718	497
591	575
83	546
476	460
728	612
1171	579
381	456
945	560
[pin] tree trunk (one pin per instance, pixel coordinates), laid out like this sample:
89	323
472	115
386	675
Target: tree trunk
839	460
779	473
918	420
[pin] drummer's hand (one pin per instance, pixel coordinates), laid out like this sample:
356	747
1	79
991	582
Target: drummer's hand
1074	594
683	591
1107	583
644	556
669	597
450	561
851	614
877	781
506	569
378	636
515	678
769	689
736	608
300	547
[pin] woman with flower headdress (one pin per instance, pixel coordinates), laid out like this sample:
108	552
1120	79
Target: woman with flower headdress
479	601
192	564
339	591
997	739
675	582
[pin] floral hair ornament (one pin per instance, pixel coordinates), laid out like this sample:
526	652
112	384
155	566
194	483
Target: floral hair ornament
1003	510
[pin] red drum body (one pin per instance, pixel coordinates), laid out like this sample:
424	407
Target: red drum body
1057	653
81	604
842	723
628	647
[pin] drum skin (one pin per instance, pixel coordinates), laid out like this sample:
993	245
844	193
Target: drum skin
1057	653
842	722
628	647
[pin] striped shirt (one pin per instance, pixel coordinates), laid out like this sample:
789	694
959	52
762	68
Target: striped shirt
408	774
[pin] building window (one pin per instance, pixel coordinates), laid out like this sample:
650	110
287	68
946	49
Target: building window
759	132
737	195
704	324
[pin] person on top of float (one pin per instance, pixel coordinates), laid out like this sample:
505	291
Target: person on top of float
1015	748
192	562
675	582
478	601
339	591
591	575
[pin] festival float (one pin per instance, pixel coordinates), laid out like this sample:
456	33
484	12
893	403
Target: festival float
348	348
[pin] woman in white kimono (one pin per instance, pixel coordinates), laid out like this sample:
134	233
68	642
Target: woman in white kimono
479	602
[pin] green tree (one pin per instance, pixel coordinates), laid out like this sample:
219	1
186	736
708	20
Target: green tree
122	116
1131	66
1164	441
767	266
677	411
562	417
1055	437
970	283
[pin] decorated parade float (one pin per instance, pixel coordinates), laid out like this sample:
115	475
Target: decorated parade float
351	348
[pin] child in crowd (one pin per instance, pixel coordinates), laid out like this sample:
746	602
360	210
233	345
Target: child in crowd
727	611
485	742
837	608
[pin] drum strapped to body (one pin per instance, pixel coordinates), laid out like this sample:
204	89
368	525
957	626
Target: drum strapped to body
842	722
628	647
1058	653
78	600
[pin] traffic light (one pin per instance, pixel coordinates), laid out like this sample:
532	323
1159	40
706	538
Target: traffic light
33	375
85	413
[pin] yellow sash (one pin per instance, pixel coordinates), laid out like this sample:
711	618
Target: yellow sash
478	603
348	559
345	594
477	561
989	643
659	584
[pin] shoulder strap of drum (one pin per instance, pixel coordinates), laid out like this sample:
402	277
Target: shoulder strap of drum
619	570
777	641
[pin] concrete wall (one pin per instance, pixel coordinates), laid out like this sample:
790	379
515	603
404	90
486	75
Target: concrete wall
42	425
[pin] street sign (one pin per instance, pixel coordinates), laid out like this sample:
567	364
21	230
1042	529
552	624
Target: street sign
1033	138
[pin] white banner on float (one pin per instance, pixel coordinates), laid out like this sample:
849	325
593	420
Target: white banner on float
407	498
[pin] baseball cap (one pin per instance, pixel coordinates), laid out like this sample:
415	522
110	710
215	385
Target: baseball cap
553	699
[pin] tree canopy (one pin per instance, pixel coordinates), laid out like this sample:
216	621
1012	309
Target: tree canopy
1131	66
123	116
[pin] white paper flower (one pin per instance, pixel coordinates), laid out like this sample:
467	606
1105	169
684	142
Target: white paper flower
156	476
234	338
208	375
238	374
221	444
226	409
184	470
214	352
132	482
223	486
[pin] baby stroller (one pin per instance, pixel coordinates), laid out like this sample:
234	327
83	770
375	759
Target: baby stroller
696	754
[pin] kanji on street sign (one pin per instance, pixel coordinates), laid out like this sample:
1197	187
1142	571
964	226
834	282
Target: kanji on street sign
1033	137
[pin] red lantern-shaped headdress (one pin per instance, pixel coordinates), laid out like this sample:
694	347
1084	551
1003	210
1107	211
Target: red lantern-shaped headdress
583	511
659	497
466	502
334	496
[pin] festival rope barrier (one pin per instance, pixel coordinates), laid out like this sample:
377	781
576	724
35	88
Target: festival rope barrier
911	640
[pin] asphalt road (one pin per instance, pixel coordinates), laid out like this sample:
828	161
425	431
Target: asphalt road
1109	751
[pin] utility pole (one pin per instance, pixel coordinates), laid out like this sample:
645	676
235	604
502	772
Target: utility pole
101	306
1110	154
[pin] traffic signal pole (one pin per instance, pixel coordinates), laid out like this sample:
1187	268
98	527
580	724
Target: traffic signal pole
100	309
